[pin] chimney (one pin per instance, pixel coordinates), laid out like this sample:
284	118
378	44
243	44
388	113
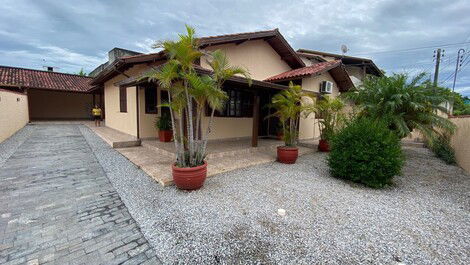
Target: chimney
50	69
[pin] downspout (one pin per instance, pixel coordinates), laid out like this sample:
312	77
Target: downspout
137	108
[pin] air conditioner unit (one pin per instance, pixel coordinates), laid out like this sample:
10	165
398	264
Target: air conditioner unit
326	87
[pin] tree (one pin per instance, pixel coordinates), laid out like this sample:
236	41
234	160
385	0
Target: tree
190	92
289	107
405	104
82	73
459	104
330	116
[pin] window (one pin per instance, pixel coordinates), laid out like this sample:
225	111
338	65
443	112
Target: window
151	100
239	104
123	99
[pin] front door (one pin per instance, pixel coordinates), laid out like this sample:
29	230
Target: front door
268	125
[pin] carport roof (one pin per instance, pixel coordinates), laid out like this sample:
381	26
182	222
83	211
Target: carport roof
30	78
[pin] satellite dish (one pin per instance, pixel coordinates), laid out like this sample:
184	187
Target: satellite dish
344	49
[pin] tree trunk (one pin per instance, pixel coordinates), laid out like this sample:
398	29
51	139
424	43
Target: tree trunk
190	125
173	125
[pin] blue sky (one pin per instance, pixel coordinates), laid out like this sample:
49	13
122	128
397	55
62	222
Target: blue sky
71	35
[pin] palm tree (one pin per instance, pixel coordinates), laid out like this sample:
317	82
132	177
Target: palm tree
329	115
289	107
186	87
405	104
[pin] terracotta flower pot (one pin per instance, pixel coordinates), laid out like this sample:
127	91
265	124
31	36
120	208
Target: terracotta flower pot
165	136
189	178
287	155
323	146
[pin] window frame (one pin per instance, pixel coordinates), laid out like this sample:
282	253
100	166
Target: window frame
146	103
123	99
238	105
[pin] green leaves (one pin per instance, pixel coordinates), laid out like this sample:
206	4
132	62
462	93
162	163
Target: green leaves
330	116
366	151
405	104
288	105
188	88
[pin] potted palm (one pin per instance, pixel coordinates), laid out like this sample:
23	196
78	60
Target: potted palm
328	113
289	106
163	124
189	95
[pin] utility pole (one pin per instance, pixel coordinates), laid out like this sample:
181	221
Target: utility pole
458	64
437	55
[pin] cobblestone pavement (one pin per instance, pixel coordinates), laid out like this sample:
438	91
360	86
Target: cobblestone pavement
58	207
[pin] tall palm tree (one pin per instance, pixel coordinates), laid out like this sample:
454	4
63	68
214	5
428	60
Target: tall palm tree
187	88
406	104
289	107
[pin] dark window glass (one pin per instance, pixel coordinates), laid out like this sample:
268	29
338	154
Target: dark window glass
239	104
123	99
150	99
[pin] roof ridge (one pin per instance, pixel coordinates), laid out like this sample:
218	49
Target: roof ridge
139	55
43	71
332	54
239	33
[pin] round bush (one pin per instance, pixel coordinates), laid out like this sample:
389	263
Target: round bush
366	151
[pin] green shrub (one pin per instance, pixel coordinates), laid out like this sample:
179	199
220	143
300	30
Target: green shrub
163	123
366	151
442	149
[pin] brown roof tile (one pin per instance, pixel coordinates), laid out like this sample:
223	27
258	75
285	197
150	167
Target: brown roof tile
308	70
30	78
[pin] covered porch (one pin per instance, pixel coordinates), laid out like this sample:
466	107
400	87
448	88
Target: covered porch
244	116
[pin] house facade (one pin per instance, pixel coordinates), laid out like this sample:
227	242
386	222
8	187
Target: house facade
356	67
131	101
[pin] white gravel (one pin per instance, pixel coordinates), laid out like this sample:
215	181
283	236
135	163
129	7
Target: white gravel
9	146
423	219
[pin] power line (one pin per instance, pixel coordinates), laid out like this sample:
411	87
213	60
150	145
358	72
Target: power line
417	48
460	69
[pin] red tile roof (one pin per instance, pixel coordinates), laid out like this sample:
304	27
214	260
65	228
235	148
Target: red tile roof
30	78
308	70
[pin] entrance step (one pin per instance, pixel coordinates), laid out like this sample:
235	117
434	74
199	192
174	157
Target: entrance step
115	138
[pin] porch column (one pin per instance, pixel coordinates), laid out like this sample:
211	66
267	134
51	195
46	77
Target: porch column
254	136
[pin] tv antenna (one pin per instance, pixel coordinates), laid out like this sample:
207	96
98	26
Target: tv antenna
344	49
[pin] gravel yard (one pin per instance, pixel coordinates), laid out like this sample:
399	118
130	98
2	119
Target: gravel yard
423	219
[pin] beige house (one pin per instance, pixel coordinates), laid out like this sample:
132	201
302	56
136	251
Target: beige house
131	102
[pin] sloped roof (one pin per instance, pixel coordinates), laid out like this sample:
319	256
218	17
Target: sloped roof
308	70
371	68
31	78
335	68
273	37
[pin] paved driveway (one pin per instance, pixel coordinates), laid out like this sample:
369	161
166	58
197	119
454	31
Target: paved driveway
57	205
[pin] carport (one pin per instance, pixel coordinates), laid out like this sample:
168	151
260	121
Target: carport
52	95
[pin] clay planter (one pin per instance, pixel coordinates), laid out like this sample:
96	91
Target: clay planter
287	155
189	178
165	136
323	146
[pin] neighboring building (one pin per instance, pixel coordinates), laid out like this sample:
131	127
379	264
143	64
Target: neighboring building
131	101
356	67
50	95
112	56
